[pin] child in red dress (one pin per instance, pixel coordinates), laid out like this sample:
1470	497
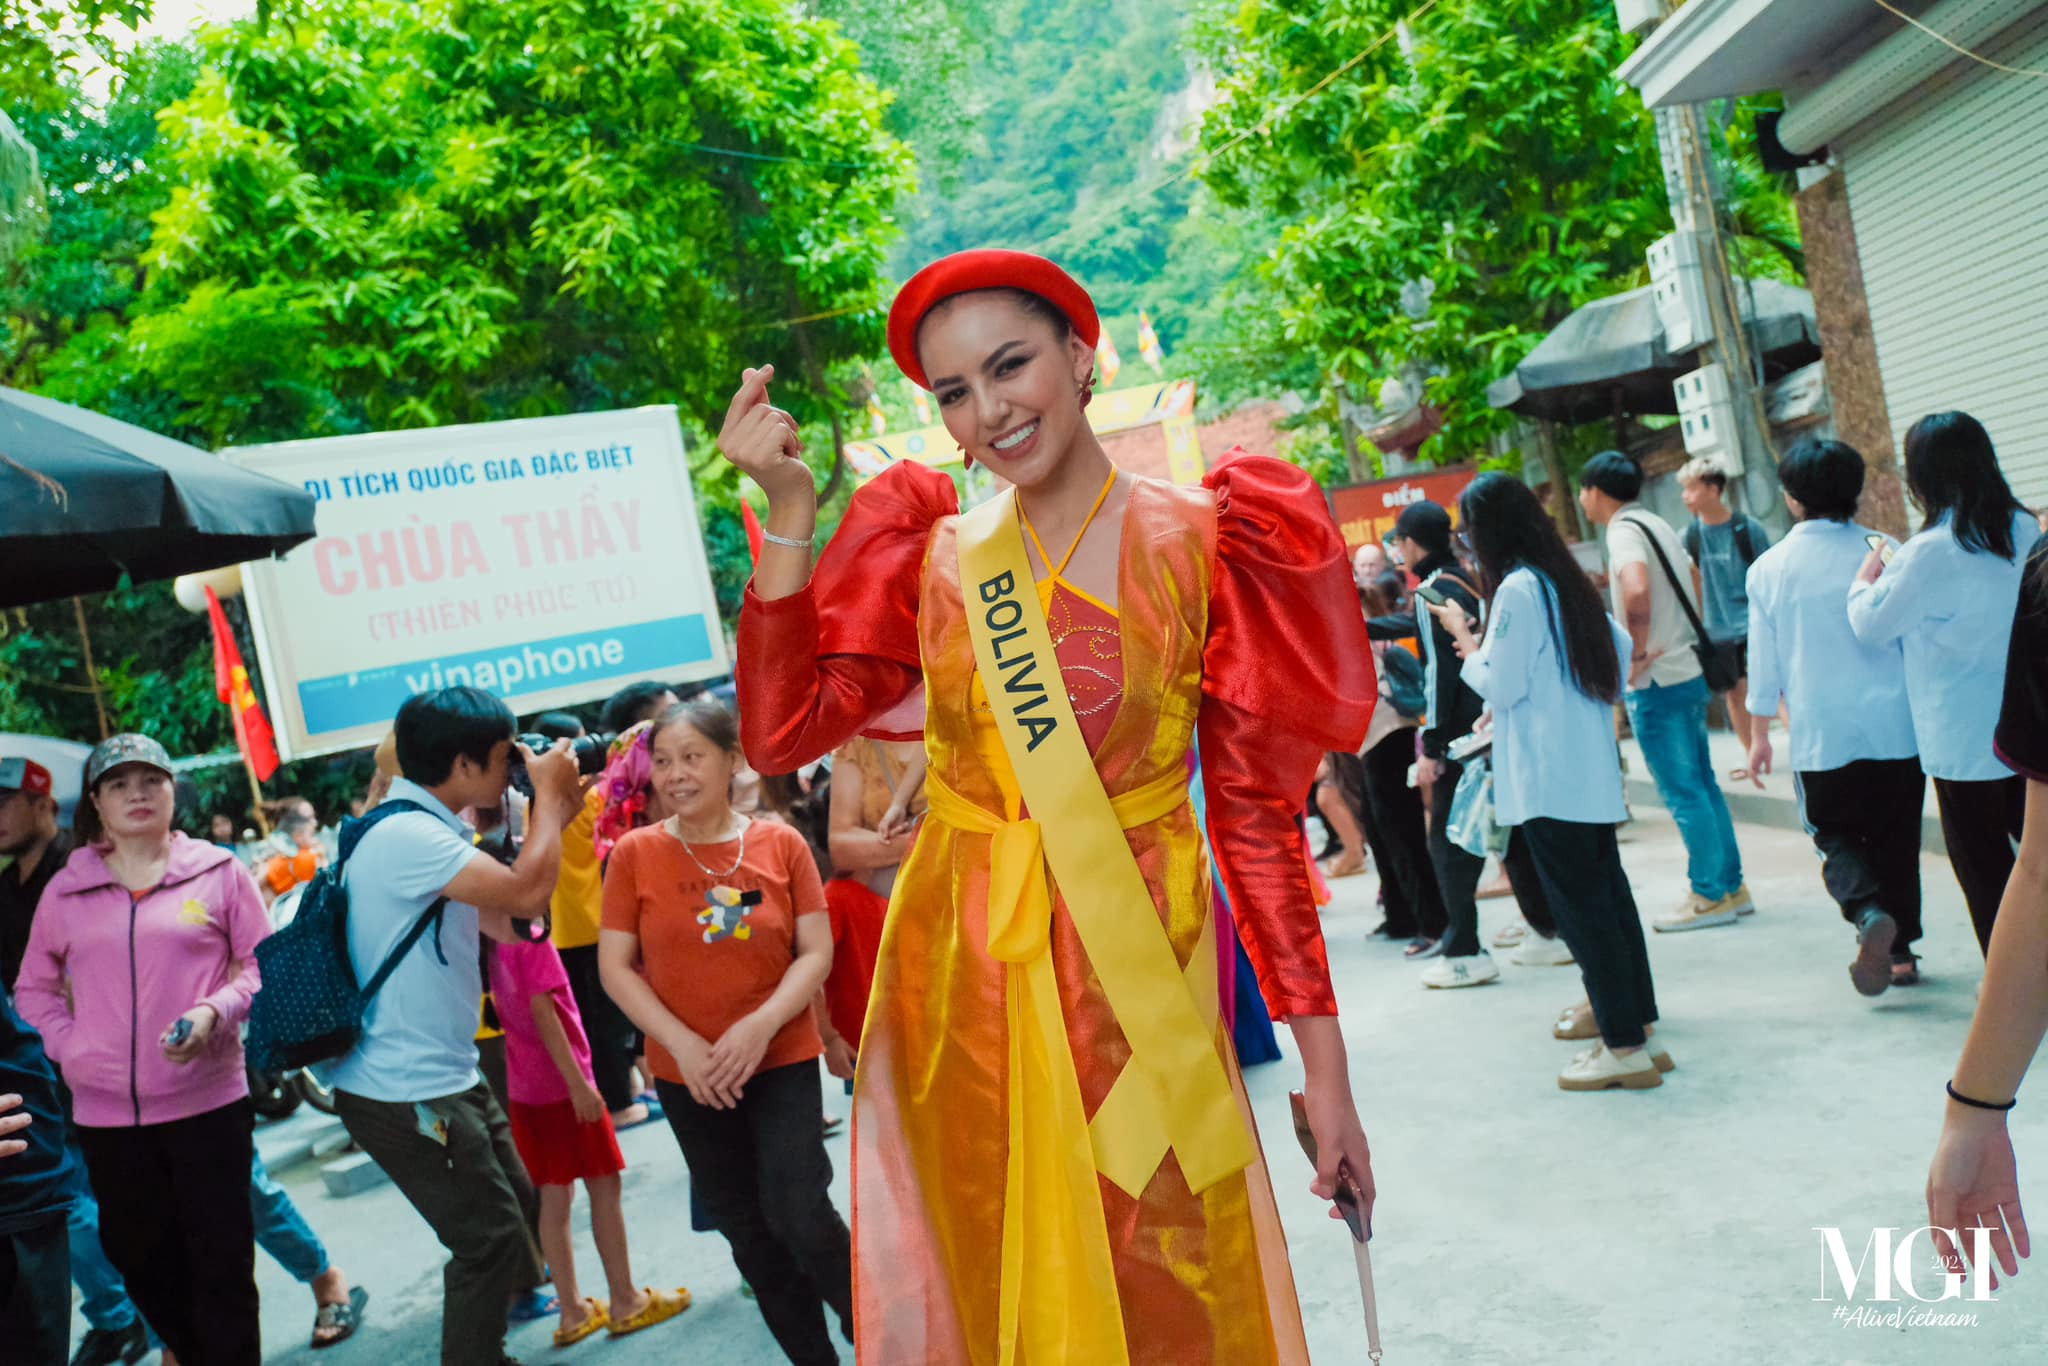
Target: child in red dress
564	1136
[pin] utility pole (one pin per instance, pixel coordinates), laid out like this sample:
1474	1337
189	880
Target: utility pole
1685	145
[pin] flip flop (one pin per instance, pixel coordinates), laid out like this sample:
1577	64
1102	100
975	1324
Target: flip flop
661	1306
345	1318
599	1317
531	1305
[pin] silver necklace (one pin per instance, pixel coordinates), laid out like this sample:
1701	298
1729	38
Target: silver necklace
676	826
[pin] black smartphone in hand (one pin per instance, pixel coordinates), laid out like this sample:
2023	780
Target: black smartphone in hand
1346	1198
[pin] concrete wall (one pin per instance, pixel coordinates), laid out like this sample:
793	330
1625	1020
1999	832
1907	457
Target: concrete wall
1834	273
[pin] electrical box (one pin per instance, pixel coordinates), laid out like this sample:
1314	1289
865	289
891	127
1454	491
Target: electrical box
1639	16
1706	417
1679	287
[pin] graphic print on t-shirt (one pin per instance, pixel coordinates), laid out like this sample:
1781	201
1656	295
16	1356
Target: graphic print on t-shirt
728	912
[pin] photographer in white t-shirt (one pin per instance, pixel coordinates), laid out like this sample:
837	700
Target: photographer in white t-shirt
1667	694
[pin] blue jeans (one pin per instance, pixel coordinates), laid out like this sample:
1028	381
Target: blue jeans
281	1230
1671	725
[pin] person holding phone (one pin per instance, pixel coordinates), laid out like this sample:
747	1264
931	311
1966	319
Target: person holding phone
1947	597
139	970
1853	749
1550	670
1422	535
1973	1181
716	939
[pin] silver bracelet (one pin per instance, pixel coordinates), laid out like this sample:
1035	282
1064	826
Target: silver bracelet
773	539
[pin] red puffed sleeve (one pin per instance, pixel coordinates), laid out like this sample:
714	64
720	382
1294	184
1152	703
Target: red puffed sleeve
1287	674
815	667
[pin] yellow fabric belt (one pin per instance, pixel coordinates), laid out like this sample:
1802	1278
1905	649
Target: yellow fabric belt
1019	901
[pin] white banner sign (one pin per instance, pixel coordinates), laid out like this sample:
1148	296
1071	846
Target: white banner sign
550	560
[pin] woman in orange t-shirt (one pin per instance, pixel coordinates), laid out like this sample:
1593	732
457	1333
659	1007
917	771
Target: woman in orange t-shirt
715	940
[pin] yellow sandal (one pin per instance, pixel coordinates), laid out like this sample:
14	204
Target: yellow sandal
598	1317
661	1306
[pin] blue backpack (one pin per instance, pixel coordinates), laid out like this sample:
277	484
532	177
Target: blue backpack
309	1007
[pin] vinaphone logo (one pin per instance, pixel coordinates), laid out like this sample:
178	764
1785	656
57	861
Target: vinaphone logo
1899	1264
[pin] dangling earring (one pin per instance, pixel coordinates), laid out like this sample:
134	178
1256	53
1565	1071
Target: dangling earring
1087	389
966	460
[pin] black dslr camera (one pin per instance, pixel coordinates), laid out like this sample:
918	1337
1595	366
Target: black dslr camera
590	752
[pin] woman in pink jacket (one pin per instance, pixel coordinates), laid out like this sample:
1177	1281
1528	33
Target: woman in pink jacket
140	966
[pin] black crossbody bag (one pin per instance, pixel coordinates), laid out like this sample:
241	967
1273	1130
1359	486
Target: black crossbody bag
1719	663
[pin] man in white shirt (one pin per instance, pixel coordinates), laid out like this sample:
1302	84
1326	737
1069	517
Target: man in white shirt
1853	749
1666	694
409	1093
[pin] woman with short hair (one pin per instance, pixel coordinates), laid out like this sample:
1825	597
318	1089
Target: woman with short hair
1853	751
1947	597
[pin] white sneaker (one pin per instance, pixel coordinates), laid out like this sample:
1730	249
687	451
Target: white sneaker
1507	936
1697	913
1473	970
1600	1069
1538	952
1653	1047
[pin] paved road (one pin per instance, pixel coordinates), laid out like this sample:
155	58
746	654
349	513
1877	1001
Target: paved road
1516	1224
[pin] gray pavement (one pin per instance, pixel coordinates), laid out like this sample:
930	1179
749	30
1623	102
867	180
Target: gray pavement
1516	1223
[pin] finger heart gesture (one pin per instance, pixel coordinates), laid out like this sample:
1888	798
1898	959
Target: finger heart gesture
760	439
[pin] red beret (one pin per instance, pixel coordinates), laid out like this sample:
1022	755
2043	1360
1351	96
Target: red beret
970	270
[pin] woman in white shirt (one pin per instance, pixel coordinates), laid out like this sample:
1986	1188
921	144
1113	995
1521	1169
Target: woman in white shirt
1550	670
1853	752
1948	598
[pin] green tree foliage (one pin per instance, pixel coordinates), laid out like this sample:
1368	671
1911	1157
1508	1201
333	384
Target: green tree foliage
480	211
1492	154
45	44
85	272
388	214
921	54
1087	112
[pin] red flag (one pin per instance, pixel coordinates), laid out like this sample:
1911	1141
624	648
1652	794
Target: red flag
253	735
753	530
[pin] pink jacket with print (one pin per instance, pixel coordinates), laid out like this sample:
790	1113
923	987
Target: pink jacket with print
106	973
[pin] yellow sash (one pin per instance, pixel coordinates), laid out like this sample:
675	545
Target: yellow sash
1174	1092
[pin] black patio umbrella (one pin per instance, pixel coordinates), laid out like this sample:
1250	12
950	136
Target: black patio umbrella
85	498
1610	356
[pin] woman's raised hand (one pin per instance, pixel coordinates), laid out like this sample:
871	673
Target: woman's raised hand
762	441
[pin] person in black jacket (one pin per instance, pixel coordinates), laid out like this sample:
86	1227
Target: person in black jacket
35	1199
1422	536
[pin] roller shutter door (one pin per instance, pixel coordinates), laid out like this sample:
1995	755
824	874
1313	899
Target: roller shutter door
1948	186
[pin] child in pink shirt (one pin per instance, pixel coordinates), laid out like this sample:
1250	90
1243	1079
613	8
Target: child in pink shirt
564	1136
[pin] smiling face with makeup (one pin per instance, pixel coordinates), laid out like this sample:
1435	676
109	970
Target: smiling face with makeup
1008	375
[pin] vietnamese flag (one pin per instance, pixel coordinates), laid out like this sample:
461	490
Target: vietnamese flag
253	735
